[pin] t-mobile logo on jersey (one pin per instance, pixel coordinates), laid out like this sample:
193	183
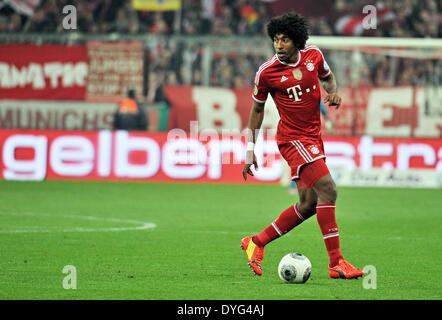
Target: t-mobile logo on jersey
295	92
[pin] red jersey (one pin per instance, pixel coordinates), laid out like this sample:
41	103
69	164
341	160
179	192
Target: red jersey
296	92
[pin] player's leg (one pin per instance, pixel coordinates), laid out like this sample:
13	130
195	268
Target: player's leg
327	195
317	176
308	200
290	217
325	188
287	220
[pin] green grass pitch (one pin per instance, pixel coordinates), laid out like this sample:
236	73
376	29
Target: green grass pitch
103	229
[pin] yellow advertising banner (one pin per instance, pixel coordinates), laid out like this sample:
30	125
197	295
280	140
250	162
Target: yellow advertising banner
156	5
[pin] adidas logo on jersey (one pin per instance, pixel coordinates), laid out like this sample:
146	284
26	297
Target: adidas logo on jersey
284	78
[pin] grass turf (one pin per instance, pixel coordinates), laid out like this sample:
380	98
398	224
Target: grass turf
194	253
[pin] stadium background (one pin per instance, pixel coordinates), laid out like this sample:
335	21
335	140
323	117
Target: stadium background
197	63
192	63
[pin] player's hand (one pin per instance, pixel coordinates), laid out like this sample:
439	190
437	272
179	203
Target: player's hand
250	160
333	99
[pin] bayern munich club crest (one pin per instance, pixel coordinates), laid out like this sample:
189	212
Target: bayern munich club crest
313	149
309	65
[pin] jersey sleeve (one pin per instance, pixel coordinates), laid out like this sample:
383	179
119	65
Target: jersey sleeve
323	67
261	89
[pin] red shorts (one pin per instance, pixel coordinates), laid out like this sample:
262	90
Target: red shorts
298	154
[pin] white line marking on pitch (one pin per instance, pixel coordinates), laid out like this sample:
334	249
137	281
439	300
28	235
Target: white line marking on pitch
141	225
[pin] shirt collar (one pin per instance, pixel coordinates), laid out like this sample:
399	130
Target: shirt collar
290	64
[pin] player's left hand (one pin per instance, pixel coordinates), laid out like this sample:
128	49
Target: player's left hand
250	160
333	99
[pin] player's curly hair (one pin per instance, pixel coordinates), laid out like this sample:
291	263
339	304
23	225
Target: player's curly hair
292	25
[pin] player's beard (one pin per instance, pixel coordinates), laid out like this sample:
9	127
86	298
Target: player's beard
288	56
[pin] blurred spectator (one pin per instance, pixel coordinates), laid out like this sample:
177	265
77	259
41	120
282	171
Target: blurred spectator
4	21
222	72
250	22
197	17
121	24
43	20
15	23
383	73
225	24
155	90
130	115
321	27
159	25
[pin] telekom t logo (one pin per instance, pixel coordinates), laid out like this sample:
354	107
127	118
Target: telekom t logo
295	92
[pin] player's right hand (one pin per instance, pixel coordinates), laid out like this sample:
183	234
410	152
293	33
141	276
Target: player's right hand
333	99
250	160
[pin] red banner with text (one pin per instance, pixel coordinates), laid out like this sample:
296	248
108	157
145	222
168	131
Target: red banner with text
181	156
43	72
97	72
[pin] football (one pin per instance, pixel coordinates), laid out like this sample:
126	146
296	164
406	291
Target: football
294	268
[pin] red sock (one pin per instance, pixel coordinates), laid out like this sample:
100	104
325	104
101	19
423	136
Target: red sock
325	214
288	219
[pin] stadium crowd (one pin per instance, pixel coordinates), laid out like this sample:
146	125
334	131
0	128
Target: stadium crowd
407	18
169	62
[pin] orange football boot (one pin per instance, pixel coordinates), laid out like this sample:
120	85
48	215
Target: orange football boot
344	270
254	253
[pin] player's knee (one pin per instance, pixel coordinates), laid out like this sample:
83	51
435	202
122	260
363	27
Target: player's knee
331	193
307	202
327	191
308	209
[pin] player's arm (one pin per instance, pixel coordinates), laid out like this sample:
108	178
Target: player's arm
329	84
255	121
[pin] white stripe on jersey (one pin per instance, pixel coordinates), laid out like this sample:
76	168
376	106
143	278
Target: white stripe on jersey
261	69
311	47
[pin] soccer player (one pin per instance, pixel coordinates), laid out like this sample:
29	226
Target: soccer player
292	77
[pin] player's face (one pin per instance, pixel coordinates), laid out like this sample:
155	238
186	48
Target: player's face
284	48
